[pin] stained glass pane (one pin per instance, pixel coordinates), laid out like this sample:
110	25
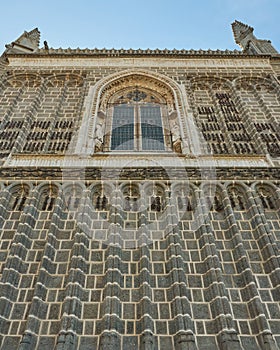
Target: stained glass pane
123	128
151	128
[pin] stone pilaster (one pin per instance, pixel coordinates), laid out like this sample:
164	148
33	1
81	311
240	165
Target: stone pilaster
112	325
71	321
184	338
215	291
250	292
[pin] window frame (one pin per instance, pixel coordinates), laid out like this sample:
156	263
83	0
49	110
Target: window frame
137	133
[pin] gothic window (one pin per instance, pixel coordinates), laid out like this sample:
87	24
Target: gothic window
48	203
214	203
123	128
218	204
237	199
73	197
185	202
100	198
156	204
137	128
19	203
101	202
156	198
47	199
131	198
151	128
136	123
18	198
266	197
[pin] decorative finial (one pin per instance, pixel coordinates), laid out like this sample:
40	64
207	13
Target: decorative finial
46	46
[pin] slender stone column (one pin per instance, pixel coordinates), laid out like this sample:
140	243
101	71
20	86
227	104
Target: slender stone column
44	281
112	324
147	338
266	243
71	321
16	265
215	293
180	307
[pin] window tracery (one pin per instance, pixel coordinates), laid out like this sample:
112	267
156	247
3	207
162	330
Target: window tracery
18	198
207	118
237	199
214	203
101	202
156	198
100	198
73	197
52	128
131	198
184	198
267	198
137	113
47	198
137	122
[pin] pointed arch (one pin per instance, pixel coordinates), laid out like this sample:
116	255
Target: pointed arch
99	95
238	197
100	195
19	194
47	196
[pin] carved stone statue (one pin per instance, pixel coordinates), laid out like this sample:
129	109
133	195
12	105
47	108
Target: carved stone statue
99	135
175	131
176	137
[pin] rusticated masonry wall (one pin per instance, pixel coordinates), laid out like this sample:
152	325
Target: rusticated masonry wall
140	265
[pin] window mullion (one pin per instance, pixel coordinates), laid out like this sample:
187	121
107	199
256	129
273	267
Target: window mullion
138	133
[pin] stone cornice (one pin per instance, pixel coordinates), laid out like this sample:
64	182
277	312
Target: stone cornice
134	53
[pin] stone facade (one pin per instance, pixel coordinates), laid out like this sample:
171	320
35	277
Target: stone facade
105	248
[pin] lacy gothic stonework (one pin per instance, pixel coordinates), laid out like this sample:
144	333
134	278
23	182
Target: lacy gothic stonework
139	197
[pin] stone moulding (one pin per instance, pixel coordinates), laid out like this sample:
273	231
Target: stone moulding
144	173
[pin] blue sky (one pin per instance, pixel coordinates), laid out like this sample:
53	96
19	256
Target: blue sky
139	23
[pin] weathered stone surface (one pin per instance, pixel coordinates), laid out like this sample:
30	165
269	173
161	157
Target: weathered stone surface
176	247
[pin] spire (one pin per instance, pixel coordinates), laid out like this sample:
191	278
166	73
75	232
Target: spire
245	38
240	31
34	35
28	42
